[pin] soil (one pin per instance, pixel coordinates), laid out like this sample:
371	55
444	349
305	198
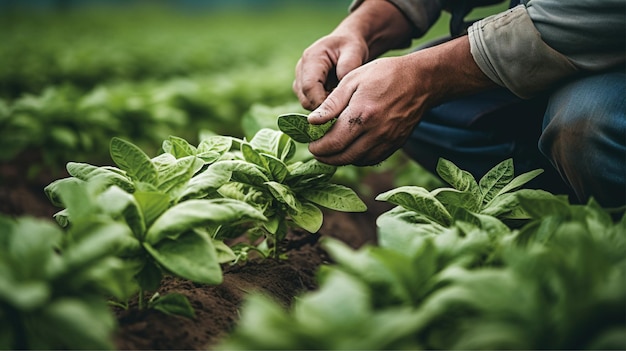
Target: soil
216	307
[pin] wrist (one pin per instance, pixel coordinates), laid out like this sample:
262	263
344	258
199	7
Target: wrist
449	71
379	24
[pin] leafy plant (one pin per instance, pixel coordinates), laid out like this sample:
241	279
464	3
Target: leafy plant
162	201
288	193
495	195
556	282
54	284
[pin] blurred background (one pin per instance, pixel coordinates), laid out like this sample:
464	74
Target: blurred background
75	73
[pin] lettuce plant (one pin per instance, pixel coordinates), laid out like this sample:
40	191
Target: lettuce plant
162	201
289	193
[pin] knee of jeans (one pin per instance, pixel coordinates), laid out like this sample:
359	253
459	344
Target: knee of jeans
584	138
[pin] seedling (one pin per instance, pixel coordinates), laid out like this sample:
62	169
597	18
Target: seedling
288	193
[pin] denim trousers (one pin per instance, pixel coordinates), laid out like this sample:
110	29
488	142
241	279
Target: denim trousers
575	133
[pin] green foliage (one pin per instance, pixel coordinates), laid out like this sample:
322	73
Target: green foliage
289	193
495	195
447	275
163	202
53	284
296	125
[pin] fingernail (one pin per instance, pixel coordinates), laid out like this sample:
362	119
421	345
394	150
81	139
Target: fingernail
317	114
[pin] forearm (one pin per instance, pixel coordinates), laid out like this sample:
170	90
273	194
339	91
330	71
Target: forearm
447	71
380	24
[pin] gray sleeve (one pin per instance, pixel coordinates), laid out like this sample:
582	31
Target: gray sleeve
532	48
421	13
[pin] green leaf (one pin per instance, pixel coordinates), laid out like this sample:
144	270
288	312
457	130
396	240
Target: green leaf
86	172
25	296
457	178
266	140
253	156
310	170
152	205
191	256
100	241
283	194
119	202
309	218
199	213
519	181
205	183
297	126
133	160
173	178
54	190
82	324
419	200
212	148
496	179
543	204
178	147
224	252
335	197
242	171
286	148
455	198
173	304
276	167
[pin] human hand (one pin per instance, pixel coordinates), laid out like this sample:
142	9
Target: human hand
377	106
324	63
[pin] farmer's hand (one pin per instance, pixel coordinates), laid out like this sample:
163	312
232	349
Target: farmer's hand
375	27
324	63
379	104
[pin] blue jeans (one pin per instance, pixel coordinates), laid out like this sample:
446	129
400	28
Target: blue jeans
577	134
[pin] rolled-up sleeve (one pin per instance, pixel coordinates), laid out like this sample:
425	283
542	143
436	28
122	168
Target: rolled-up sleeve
530	49
421	13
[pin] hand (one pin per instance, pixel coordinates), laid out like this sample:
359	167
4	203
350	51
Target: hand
372	29
324	63
379	103
377	106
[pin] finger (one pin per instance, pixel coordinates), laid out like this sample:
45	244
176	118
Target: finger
339	137
311	77
361	152
350	59
334	104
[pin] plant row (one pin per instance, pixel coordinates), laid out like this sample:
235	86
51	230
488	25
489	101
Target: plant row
64	124
88	47
122	229
477	265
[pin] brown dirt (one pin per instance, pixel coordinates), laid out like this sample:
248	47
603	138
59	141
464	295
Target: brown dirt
216	307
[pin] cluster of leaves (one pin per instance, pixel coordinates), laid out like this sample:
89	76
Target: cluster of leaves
64	123
162	202
52	283
110	44
182	204
449	274
288	191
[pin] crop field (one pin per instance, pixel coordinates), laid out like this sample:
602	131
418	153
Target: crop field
156	192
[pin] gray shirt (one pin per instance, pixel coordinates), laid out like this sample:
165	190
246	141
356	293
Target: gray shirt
532	48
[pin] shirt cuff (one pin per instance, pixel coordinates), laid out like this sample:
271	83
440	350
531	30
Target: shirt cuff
509	50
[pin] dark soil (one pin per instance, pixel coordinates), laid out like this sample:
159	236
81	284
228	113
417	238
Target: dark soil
216	307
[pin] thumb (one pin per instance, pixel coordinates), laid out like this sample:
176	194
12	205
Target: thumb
349	60
335	103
